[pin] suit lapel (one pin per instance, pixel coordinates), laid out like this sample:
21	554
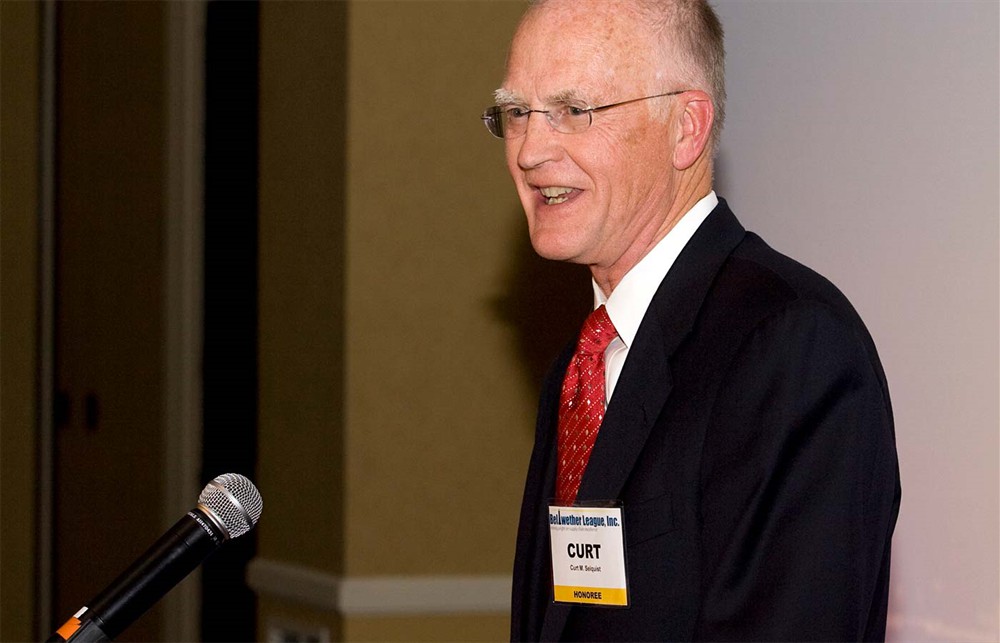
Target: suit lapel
645	382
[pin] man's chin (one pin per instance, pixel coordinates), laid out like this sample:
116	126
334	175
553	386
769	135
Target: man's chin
554	251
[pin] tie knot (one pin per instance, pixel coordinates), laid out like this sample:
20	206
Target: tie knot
597	332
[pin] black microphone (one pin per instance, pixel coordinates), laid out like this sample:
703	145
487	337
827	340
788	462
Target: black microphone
228	507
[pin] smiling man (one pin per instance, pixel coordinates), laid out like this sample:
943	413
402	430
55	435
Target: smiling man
714	455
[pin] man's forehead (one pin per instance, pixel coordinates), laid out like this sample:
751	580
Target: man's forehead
565	53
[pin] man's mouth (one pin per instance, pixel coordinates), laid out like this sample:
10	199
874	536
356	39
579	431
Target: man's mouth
555	195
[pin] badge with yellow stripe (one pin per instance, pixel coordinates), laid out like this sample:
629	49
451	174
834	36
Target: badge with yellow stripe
588	555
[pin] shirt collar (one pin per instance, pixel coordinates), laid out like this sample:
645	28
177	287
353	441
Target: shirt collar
628	303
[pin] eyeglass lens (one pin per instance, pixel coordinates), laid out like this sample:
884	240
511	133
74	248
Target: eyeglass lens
512	122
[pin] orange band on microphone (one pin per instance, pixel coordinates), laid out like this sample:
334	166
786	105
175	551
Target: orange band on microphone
69	628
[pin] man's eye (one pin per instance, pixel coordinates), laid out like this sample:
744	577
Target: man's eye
517	112
576	110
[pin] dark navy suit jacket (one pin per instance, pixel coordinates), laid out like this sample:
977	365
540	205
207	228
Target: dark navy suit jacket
750	440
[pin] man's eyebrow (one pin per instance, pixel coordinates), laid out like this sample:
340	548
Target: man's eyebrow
567	96
506	97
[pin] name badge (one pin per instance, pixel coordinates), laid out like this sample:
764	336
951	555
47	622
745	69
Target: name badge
588	555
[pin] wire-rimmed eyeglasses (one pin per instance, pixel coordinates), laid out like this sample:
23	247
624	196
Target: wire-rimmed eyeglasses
511	121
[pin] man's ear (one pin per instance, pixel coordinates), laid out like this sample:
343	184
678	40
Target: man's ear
695	128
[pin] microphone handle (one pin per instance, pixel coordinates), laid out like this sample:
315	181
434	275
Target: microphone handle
175	555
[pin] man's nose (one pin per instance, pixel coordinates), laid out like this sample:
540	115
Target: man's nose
540	142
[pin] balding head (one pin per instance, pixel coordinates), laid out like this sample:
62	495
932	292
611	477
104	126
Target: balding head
688	40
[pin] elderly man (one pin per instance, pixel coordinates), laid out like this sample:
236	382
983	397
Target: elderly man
714	456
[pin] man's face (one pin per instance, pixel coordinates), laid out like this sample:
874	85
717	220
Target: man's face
618	173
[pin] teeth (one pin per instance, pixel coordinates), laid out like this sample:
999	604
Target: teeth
554	195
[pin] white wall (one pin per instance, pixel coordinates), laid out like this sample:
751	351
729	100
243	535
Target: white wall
862	139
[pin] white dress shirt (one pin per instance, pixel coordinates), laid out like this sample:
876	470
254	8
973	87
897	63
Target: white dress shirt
631	297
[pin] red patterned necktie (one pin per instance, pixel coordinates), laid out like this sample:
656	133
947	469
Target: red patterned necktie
581	405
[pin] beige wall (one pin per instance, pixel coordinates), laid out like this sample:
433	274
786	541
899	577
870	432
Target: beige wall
301	283
19	60
397	400
439	419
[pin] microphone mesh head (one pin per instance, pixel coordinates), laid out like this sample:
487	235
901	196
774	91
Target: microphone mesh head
234	501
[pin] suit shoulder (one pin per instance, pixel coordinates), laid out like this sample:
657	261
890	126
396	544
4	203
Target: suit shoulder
758	286
764	280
